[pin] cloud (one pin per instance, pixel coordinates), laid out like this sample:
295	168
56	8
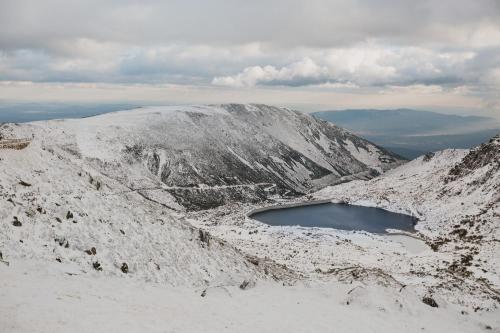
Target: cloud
363	46
95	61
290	23
302	72
416	89
368	64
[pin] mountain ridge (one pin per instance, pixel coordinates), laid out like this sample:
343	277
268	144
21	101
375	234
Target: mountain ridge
208	155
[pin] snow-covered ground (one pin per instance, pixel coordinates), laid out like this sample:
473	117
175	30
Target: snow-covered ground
37	297
93	241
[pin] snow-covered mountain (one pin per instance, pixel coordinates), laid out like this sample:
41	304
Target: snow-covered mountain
205	156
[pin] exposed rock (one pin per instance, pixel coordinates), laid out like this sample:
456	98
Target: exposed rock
204	237
430	301
62	242
487	154
427	157
16	222
247	284
92	251
97	266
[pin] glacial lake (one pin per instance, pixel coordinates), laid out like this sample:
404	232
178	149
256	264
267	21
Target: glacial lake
337	216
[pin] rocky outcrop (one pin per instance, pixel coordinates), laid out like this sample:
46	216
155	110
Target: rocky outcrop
486	155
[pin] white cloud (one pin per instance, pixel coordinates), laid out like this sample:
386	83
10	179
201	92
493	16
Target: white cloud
367	64
303	70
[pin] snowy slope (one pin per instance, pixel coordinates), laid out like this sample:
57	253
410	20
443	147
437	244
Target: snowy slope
205	156
42	299
456	196
56	207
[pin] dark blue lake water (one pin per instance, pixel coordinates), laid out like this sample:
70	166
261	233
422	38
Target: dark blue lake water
338	216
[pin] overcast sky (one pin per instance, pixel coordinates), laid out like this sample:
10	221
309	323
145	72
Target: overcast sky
315	54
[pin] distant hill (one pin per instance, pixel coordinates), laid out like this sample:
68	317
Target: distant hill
21	112
411	133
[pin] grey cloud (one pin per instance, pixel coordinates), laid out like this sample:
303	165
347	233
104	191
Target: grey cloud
295	43
314	23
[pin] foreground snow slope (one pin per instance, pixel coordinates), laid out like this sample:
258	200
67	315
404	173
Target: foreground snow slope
40	299
205	156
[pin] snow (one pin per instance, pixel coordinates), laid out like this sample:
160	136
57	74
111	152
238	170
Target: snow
43	298
411	244
368	156
300	279
121	224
